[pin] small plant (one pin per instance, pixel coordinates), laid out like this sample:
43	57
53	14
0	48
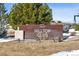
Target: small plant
76	27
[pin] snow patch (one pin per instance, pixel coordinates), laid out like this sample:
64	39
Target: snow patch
66	53
6	40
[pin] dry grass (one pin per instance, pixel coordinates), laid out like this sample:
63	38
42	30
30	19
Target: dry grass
45	47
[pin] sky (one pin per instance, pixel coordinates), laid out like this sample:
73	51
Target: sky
60	11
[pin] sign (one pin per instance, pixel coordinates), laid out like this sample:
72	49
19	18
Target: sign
19	34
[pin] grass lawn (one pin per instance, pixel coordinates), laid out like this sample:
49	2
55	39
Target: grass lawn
43	48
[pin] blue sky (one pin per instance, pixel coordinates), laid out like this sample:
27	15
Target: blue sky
61	11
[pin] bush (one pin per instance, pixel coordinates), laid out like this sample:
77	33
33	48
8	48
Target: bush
76	26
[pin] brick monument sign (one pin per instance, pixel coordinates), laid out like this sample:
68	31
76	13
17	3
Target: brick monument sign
43	32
